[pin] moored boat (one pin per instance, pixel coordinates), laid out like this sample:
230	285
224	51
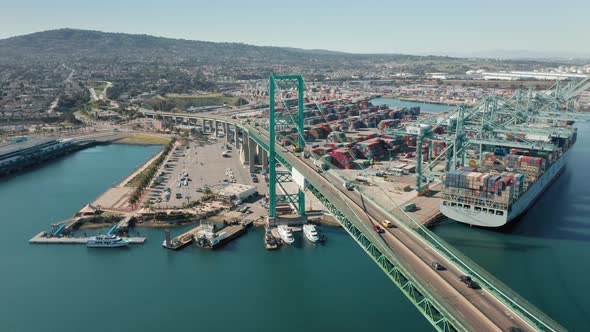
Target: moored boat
286	234
106	241
311	233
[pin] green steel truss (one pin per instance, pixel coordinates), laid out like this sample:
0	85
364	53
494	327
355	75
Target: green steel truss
284	120
420	299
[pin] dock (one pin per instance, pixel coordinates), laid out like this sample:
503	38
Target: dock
182	240
427	206
229	233
123	225
42	238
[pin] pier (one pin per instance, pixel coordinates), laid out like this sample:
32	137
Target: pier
225	235
182	240
123	225
427	211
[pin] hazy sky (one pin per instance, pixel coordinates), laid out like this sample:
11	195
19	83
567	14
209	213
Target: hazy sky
362	26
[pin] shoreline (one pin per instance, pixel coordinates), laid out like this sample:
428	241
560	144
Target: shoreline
143	139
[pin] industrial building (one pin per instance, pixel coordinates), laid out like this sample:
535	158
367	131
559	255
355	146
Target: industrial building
238	191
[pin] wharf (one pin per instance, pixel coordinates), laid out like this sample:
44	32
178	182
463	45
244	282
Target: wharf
229	233
182	240
70	224
123	225
427	209
42	238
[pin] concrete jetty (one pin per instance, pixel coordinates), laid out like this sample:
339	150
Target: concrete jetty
42	238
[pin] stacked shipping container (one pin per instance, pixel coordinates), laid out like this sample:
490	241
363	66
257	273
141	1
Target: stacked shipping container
504	188
371	148
343	158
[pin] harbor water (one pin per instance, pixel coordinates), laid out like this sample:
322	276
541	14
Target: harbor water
425	107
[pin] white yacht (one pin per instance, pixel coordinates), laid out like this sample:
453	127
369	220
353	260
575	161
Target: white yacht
311	233
106	241
286	234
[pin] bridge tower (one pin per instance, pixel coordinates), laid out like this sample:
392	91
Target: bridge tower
285	127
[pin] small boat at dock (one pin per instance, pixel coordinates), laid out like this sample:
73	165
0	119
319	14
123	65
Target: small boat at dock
106	241
270	242
286	234
311	233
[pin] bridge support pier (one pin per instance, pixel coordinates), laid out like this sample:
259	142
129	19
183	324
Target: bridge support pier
245	149
237	137
252	155
226	131
264	160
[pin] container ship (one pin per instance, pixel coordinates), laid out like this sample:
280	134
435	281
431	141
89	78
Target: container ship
506	181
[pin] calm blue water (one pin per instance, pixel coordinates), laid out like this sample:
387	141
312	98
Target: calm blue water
434	108
241	287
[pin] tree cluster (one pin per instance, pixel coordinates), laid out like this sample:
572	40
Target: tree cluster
144	178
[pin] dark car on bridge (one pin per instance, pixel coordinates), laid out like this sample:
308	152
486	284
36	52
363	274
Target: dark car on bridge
465	278
473	285
515	329
438	266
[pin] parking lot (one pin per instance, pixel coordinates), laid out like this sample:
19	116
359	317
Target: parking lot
190	169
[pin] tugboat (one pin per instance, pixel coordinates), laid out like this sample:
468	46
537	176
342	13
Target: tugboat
270	243
106	241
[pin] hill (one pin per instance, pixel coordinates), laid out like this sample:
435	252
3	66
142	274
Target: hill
75	44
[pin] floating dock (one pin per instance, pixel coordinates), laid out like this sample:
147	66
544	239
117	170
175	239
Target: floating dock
229	233
182	240
427	210
42	238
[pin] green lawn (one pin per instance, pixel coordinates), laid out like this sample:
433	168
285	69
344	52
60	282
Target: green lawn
186	101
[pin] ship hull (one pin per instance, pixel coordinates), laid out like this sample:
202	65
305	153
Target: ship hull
485	217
